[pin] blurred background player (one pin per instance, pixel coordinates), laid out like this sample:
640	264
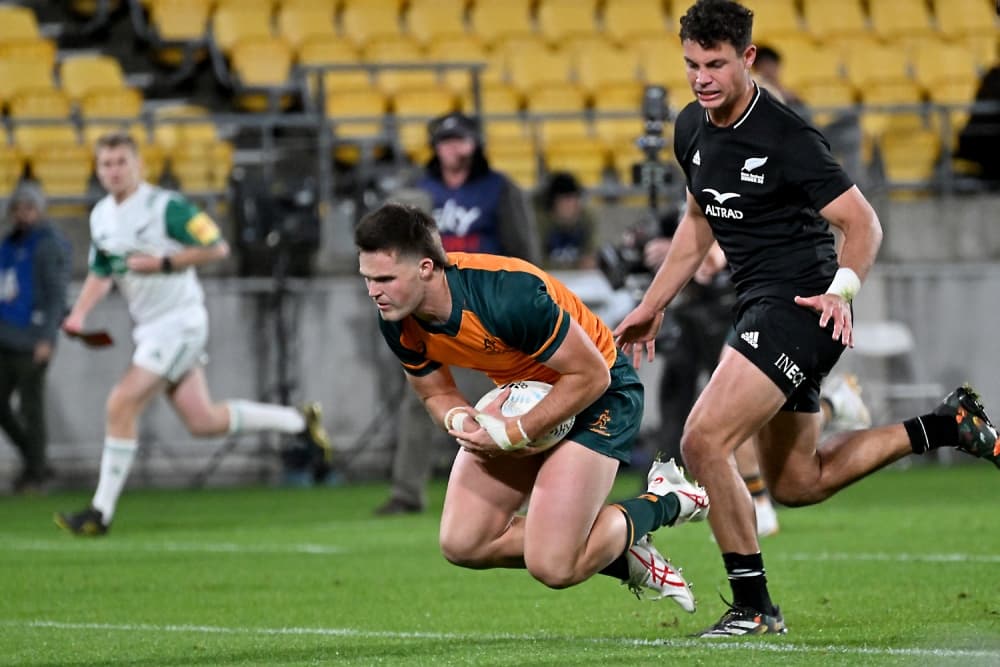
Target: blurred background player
477	209
34	273
567	228
148	241
767	73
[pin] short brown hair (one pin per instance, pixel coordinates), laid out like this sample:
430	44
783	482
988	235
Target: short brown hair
116	138
404	229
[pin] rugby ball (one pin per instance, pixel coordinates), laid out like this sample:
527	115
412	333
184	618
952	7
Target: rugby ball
524	395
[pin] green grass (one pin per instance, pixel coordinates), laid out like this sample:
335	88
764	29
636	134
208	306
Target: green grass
896	570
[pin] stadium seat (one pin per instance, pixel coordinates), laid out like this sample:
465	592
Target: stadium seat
330	5
531	70
627	20
11	166
559	20
262	67
812	64
626	102
910	151
828	99
193	126
105	103
180	20
298	24
873	123
17	23
340	107
515	156
597	69
363	22
828	20
662	62
430	20
495	22
42	103
773	19
556	97
501	131
202	167
495	98
876	64
460	49
17	77
405	51
231	23
938	65
586	158
966	18
62	170
894	19
413	109
81	75
334	51
42	51
30	138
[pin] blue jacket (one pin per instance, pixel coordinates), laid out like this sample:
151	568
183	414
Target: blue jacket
34	273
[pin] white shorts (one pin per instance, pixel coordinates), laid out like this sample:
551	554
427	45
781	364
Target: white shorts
171	351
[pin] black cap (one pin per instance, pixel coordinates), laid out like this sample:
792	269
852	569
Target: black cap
453	125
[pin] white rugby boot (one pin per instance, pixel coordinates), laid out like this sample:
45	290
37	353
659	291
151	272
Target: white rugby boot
767	518
653	577
666	477
848	410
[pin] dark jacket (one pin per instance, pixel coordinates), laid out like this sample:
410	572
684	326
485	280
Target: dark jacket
32	312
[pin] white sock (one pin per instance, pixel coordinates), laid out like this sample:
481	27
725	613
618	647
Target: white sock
116	461
248	417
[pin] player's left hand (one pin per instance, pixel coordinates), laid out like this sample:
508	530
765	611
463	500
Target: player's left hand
143	263
832	307
473	437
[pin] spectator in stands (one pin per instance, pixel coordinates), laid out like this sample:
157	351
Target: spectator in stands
148	241
477	209
566	226
34	272
767	72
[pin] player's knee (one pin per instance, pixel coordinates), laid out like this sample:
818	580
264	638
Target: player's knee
793	495
201	428
461	552
697	449
554	575
120	405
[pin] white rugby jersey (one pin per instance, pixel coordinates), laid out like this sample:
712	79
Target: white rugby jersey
158	222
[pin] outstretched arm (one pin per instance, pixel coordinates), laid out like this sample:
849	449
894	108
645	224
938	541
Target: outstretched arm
95	288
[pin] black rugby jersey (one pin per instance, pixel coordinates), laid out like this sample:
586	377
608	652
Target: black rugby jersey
761	183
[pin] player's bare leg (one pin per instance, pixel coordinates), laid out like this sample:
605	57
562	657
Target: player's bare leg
749	467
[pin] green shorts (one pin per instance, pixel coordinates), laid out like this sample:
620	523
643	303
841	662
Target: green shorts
610	424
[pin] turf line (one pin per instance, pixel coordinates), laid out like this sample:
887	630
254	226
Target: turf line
742	645
90	544
890	557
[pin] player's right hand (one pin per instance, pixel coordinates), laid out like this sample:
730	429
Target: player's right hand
638	331
72	324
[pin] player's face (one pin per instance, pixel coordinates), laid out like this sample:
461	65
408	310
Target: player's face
719	76
394	283
118	170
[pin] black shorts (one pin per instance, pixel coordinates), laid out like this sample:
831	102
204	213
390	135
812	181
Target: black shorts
786	342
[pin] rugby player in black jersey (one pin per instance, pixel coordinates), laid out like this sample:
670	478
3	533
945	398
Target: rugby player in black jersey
763	183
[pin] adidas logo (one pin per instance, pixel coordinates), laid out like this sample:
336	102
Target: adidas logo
751	338
697	158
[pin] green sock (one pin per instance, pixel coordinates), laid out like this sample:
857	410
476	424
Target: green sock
647	513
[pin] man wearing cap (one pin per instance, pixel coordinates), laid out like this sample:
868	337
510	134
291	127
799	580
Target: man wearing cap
477	209
34	272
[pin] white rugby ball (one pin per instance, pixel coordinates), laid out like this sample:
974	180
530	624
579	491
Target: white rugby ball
524	395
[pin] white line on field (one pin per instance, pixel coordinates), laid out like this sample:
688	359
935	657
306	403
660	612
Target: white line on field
741	645
891	557
178	547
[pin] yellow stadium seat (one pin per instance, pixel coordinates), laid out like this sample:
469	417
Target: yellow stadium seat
42	51
11	168
394	51
559	20
81	75
812	64
262	63
361	103
877	64
873	123
16	77
413	110
834	19
495	98
193	126
62	170
430	20
40	104
662	62
597	69
30	138
622	156
17	23
202	167
773	19
459	49
964	18
334	51
231	23
827	99
939	64
559	130
910	152
585	158
531	70
501	131
299	24
330	5
892	19
364	22
556	98
627	20
494	22
180	20
121	103
620	100
515	156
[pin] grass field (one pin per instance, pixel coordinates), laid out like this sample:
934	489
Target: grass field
897	570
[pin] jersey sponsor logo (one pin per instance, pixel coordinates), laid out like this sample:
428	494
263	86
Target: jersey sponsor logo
454	219
790	369
751	164
723	212
203	229
751	338
696	160
491	344
720	197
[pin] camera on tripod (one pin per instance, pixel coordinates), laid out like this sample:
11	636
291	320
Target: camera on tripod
621	260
